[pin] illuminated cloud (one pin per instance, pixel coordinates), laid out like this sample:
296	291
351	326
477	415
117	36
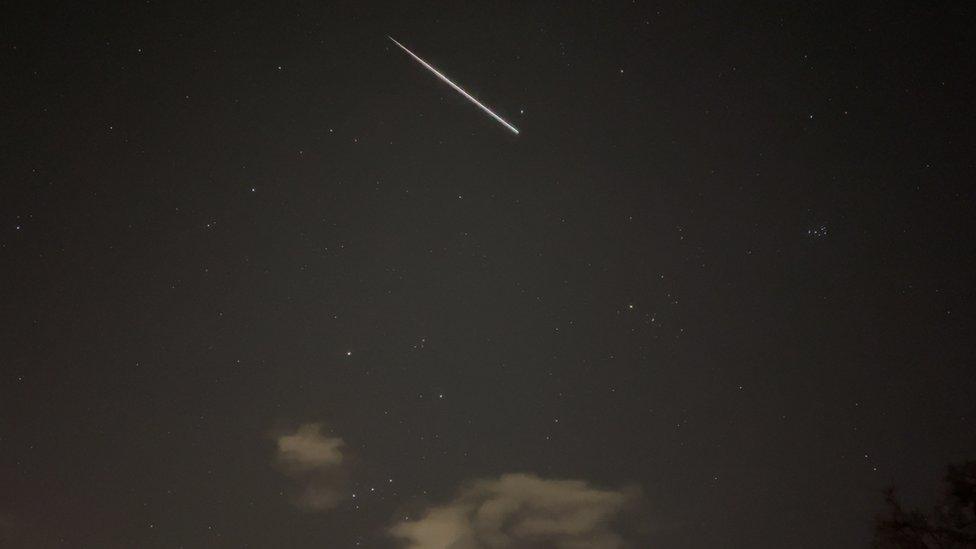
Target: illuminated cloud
315	462
519	511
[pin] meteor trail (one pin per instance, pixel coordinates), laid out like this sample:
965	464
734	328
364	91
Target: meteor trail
457	88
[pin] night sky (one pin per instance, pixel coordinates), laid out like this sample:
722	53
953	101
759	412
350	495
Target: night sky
268	282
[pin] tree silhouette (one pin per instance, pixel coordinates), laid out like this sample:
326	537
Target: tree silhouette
950	525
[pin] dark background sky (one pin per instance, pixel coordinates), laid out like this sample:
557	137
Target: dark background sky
728	260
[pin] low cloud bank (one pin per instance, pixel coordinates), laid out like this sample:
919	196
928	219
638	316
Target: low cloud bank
517	511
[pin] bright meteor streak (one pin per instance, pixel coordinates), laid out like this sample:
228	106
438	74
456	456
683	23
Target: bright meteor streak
457	88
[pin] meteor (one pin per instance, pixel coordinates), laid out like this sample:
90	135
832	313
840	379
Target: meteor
456	87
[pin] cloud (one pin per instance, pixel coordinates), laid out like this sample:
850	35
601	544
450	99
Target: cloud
519	511
307	449
315	462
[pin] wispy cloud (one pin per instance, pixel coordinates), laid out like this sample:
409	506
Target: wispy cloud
315	462
521	511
